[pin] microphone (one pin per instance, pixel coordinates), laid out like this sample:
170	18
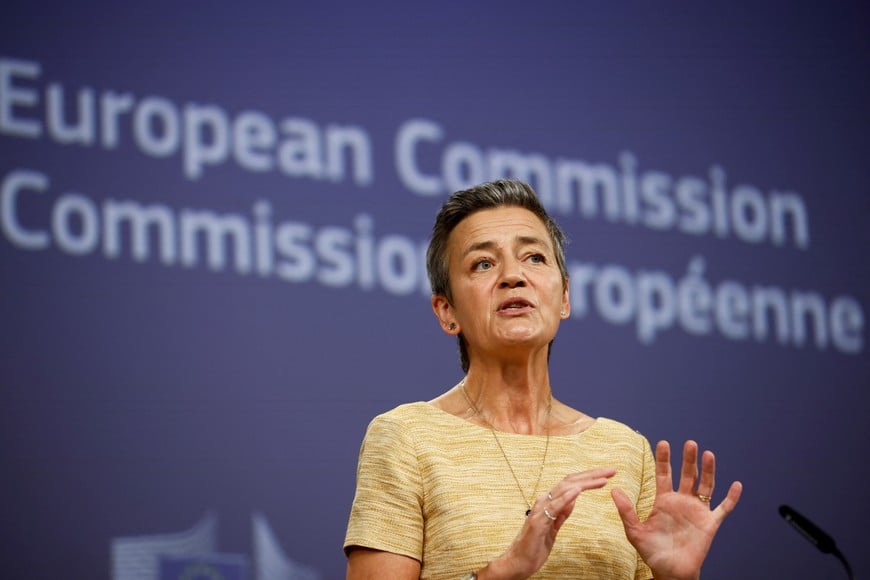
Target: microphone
814	534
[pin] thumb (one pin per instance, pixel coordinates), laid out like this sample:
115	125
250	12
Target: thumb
625	508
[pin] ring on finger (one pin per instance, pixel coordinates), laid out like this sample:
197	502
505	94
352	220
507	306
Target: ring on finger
550	516
704	498
550	495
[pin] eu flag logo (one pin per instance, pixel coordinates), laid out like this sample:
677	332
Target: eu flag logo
205	567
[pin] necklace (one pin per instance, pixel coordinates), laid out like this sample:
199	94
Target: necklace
498	442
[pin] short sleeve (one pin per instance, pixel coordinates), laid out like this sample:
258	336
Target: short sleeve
645	500
387	512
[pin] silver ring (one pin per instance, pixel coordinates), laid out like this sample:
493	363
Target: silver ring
550	496
551	517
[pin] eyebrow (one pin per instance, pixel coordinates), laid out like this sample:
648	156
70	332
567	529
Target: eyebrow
490	245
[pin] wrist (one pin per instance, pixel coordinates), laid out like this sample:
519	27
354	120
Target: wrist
664	577
498	569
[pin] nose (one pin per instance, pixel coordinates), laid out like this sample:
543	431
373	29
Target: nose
512	276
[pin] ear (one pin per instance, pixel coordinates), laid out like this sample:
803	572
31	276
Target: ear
566	303
444	313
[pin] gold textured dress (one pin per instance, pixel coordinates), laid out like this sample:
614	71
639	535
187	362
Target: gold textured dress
437	488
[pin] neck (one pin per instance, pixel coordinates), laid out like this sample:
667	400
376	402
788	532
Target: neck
510	402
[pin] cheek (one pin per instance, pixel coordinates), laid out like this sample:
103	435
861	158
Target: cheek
473	305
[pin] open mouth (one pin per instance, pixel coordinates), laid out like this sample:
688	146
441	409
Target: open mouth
515	305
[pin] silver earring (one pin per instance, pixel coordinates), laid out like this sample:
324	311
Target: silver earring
562	313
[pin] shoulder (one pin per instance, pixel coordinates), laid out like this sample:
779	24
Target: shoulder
405	414
613	431
617	427
630	450
409	419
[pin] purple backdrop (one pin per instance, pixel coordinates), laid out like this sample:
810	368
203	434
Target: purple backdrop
212	219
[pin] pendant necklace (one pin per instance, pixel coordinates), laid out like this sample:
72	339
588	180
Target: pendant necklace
498	442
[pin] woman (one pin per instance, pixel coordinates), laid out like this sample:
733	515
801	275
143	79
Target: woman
496	478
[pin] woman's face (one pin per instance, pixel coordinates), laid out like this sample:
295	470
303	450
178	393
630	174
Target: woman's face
506	285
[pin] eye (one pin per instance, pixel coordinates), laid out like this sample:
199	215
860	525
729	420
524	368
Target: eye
483	264
537	259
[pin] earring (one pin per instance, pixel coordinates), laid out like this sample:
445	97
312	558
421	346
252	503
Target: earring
562	314
452	326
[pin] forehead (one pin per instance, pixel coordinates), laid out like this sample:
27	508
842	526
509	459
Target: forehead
501	226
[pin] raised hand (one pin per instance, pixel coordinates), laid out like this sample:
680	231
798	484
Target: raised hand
676	537
531	548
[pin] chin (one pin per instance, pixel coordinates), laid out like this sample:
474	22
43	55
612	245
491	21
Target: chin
519	337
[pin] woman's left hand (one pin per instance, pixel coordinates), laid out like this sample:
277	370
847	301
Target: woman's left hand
676	537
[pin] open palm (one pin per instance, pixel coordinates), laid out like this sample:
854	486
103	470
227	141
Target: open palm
675	538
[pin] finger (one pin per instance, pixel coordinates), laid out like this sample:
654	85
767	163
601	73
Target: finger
568	492
708	474
554	510
625	508
689	470
558	503
583	480
557	498
591	473
564	513
730	502
664	481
